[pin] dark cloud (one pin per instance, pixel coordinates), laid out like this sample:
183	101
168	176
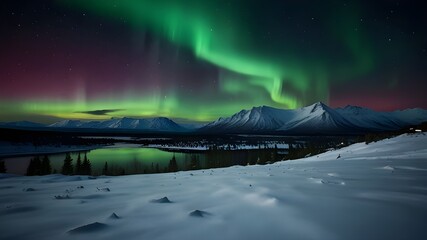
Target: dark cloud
101	112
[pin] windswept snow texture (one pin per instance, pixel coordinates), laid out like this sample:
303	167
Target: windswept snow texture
375	191
160	123
316	119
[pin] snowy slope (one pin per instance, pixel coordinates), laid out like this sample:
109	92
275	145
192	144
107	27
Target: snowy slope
193	126
318	119
375	191
163	123
412	146
369	119
257	119
413	116
314	119
160	123
67	124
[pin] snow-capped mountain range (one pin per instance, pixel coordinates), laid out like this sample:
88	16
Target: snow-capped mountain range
25	124
158	124
317	118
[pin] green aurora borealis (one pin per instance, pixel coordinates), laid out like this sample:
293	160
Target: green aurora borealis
200	60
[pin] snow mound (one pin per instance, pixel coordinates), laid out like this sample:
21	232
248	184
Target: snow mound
89	228
161	200
388	168
114	216
61	197
103	189
199	213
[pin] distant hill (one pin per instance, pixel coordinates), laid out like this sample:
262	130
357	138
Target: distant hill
157	124
24	124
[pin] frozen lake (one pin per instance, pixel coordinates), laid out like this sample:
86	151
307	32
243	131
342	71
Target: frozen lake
132	158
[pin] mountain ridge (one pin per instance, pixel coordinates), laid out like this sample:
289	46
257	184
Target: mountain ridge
158	123
317	118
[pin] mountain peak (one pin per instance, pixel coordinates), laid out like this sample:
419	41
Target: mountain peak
161	119
355	110
352	107
262	108
318	106
259	107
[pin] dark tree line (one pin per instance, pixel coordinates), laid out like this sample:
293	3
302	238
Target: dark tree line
39	167
112	170
212	158
82	167
173	165
3	168
67	167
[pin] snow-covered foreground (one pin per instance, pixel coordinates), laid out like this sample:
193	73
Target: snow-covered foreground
375	191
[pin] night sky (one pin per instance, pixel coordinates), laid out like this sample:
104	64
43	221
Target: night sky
199	60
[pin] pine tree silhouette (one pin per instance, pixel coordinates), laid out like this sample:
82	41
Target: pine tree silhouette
105	169
30	168
37	165
46	168
67	168
34	168
78	168
194	163
173	165
3	168
157	168
86	166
